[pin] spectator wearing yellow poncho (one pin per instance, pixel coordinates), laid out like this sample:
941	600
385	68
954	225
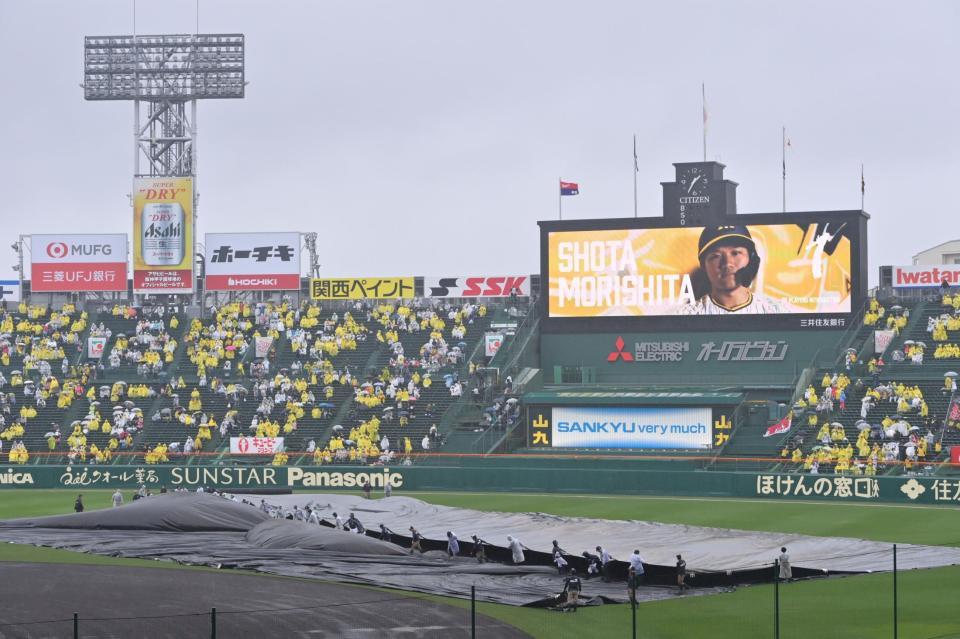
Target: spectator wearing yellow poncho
12	432
195	403
18	454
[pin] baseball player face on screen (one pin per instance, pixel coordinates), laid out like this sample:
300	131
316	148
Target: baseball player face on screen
729	260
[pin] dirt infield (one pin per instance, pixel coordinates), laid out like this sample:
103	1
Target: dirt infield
116	601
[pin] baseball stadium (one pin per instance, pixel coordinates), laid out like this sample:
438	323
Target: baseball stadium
700	422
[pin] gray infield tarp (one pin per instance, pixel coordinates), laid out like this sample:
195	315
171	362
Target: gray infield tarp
206	529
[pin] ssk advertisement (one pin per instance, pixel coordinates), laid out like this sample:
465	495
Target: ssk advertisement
163	235
79	262
477	286
252	261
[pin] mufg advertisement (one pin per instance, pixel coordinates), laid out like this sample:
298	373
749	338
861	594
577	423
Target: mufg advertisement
636	427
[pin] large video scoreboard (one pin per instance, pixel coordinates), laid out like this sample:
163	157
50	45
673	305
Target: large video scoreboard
760	271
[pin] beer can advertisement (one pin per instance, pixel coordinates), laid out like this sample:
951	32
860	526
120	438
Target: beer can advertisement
163	235
78	262
759	269
252	261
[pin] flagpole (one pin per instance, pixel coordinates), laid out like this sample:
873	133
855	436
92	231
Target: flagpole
703	102
783	160
863	187
559	199
636	169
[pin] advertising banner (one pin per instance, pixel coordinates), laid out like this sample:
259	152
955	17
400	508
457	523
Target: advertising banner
262	346
633	427
78	262
95	347
881	340
256	445
252	261
477	286
492	343
9	290
769	269
926	276
362	288
163	242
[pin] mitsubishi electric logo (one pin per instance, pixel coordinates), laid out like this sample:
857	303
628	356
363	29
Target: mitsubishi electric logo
619	353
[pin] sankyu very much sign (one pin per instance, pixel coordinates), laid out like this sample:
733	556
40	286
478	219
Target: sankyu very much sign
636	427
252	261
477	286
923	276
80	262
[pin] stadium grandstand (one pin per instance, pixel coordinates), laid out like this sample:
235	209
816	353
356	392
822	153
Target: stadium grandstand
699	421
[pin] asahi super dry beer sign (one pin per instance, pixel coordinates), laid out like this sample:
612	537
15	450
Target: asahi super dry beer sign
163	235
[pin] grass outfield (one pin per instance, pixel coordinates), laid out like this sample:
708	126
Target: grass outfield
846	608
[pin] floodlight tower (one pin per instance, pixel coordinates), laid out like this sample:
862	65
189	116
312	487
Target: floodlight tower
164	76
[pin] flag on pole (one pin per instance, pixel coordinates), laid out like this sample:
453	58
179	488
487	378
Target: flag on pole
569	188
786	145
863	183
636	162
781	426
703	97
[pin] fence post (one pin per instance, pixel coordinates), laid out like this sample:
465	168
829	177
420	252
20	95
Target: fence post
473	612
776	599
895	624
213	623
76	626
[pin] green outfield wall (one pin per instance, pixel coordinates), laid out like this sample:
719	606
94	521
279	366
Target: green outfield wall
552	476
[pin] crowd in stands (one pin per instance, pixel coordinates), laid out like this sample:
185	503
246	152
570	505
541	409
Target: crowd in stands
394	395
150	348
895	426
420	347
41	341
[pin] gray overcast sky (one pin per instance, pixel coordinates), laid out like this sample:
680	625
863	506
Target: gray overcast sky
426	138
